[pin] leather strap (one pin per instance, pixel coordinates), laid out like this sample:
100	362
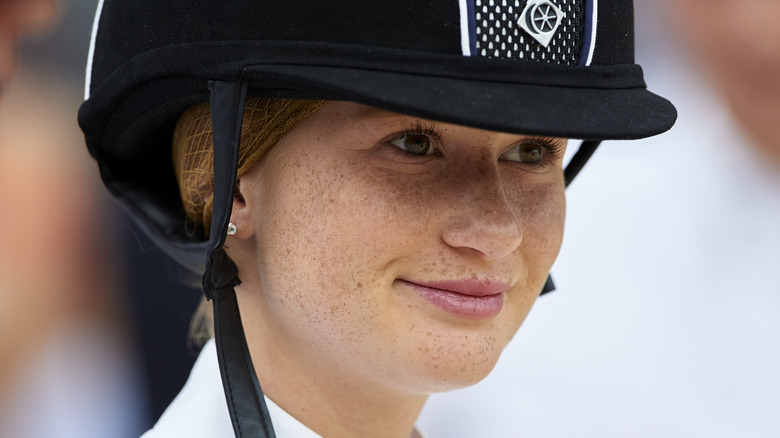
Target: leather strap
577	162
248	411
246	404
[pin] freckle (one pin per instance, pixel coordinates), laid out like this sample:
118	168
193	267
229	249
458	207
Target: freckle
429	333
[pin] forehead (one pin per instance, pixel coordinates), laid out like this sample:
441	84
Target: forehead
359	111
361	117
358	120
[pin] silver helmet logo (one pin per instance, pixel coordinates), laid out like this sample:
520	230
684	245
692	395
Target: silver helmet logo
541	19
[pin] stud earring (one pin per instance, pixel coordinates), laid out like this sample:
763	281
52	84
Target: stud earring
232	229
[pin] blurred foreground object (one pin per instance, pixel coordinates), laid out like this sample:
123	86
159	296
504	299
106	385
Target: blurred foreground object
66	366
738	43
18	17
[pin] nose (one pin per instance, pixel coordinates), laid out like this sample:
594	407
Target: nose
483	219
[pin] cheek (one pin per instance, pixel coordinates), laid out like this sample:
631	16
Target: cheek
324	243
546	223
541	210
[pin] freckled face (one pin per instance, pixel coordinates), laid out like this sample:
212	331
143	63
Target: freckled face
396	250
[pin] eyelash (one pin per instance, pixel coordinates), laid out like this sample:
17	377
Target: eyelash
420	128
553	147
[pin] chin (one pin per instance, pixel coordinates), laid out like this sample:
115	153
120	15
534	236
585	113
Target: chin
450	376
454	358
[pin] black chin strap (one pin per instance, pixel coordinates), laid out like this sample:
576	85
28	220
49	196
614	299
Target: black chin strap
577	162
583	154
246	403
244	396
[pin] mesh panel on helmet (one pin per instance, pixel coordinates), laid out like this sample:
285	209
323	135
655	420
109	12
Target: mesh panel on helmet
500	36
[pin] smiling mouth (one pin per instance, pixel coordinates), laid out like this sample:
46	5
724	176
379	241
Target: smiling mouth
468	299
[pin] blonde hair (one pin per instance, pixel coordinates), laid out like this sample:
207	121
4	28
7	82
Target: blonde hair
265	122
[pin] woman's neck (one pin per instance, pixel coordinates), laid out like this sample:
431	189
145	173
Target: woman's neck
322	396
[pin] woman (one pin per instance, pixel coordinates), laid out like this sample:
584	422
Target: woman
383	209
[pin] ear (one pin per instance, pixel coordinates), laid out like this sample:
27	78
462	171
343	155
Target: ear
242	216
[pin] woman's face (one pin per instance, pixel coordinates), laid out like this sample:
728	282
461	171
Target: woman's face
402	251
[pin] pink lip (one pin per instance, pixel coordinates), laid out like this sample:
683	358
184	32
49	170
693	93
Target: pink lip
469	299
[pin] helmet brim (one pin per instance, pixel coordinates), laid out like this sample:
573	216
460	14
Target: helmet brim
563	111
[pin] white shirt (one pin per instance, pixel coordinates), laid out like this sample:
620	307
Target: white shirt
200	409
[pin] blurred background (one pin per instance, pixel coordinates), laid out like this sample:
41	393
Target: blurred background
93	323
666	320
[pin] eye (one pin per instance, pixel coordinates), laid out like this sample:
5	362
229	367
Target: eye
415	143
530	153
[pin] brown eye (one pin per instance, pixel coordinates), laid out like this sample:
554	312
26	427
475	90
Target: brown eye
417	144
525	153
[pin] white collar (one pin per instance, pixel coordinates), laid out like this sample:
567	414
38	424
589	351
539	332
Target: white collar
200	409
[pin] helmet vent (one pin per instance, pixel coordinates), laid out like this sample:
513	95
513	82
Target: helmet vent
519	29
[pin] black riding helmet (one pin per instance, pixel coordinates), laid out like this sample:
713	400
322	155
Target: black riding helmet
553	67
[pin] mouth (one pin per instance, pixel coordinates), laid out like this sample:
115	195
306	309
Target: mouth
467	299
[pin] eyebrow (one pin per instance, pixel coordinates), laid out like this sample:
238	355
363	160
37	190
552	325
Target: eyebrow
372	113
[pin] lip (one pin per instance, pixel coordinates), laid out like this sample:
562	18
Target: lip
468	299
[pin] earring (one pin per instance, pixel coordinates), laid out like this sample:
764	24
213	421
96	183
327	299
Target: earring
232	230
